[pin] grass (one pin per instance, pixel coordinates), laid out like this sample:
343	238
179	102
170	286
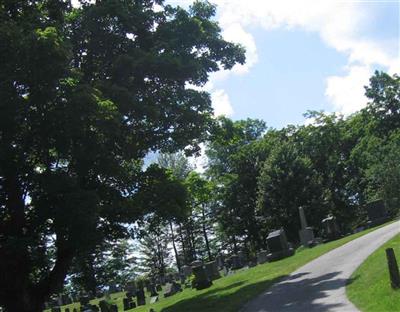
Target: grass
371	291
233	291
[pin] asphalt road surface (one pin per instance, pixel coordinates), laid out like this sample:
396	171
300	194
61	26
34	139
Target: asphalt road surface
320	285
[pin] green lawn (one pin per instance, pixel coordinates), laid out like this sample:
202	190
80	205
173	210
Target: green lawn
231	292
370	290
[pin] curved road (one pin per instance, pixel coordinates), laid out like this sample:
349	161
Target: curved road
320	284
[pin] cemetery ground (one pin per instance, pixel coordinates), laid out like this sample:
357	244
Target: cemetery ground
233	291
370	289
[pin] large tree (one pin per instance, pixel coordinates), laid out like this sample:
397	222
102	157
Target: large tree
85	94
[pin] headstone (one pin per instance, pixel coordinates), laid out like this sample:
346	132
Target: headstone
172	288
60	301
176	276
84	300
252	263
186	271
104	306
152	290
196	263
201	279
393	268
306	233
153	299
234	262
66	310
162	280
55	309
262	256
278	246
89	308
220	261
330	229
126	302
147	284
131	287
242	258
158	287
212	270
169	278
377	213
140	297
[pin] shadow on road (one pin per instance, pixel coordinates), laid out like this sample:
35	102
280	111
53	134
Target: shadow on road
298	293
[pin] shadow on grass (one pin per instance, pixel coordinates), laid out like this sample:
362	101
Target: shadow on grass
216	300
352	279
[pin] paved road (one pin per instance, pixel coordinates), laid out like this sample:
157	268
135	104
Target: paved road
320	284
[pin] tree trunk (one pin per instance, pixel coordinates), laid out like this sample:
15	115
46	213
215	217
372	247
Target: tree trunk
184	249
235	249
178	263
210	258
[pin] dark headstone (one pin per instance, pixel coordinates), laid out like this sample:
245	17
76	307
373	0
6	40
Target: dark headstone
235	262
126	303
278	245
84	300
186	271
330	229
242	258
152	290
140	297
196	263
393	268
147	284
66	310
220	261
212	270
104	306
262	256
377	213
131	287
201	279
90	308
65	299
112	289
55	309
158	287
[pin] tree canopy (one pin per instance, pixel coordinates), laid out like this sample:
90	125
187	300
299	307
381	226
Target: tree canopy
86	92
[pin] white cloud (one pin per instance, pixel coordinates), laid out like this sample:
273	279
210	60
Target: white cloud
338	23
347	92
221	103
235	33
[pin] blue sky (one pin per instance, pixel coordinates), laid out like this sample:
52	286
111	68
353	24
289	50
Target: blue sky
303	55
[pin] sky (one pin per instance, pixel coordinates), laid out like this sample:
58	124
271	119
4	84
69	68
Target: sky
303	55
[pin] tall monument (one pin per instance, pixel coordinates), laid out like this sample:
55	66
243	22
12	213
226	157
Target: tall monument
306	233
